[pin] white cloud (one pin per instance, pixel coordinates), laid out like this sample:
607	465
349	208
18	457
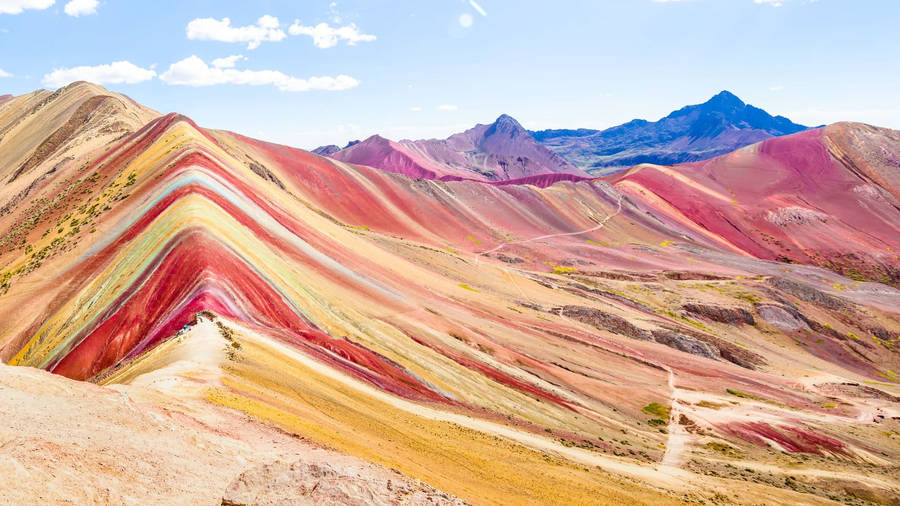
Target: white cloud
335	14
3	73
477	7
266	29
415	109
325	36
77	8
193	71
17	6
227	62
780	3
776	88
466	20
114	73
447	107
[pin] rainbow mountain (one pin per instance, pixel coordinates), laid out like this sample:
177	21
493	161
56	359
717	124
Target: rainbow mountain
720	331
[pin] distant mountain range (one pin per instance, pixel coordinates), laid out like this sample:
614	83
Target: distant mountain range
504	150
695	132
500	151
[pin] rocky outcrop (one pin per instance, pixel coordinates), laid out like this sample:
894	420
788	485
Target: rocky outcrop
321	483
579	288
509	259
685	343
263	172
789	319
729	315
856	390
688	341
603	321
883	333
727	350
692	275
808	293
781	318
795	215
623	276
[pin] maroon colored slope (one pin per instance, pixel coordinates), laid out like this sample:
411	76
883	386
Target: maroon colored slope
381	153
819	197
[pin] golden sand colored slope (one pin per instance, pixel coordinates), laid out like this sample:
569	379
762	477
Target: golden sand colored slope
137	445
40	126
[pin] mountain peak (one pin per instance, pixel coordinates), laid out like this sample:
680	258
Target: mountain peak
507	125
720	125
725	98
372	139
327	150
506	119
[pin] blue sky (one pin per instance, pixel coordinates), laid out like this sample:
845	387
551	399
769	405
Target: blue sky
312	72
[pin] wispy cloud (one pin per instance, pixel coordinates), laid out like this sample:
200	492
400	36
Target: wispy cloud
415	109
776	88
112	73
325	36
266	29
773	3
447	107
17	6
193	71
334	13
3	73
477	7
77	8
781	3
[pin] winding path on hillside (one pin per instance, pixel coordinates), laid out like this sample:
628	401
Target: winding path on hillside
562	234
678	436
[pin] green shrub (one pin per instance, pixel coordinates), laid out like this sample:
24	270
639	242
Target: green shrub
655	408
